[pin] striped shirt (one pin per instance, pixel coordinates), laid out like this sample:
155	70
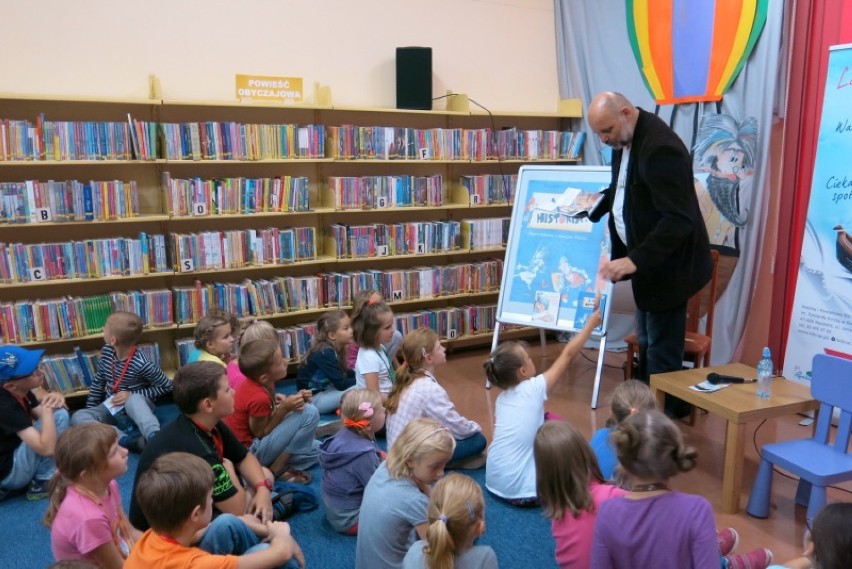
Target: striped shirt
142	377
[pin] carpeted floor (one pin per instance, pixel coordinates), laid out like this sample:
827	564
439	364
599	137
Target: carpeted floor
521	538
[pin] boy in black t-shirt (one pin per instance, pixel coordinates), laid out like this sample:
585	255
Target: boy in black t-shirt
28	427
204	397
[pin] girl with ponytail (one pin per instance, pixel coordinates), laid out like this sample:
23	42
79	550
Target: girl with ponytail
456	518
350	457
85	516
653	525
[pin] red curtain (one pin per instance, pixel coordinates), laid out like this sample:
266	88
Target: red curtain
817	24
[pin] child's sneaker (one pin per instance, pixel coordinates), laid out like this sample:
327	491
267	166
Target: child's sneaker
757	559
134	443
728	539
38	489
470	463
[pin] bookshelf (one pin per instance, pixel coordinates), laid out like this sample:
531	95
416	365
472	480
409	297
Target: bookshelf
309	162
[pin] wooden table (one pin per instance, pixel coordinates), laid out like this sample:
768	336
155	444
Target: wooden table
737	404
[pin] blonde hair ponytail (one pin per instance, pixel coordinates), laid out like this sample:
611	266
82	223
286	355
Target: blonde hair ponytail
456	507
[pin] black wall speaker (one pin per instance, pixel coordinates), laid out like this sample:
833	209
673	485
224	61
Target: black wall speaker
414	78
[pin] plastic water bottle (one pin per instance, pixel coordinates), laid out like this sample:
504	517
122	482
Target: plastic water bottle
764	375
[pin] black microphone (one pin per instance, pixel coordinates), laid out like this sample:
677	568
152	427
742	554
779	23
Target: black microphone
715	378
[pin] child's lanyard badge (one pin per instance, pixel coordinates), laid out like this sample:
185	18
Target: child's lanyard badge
123	371
391	371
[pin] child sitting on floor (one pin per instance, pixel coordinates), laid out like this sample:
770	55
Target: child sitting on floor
629	397
519	412
253	330
85	515
374	368
278	429
393	511
125	385
828	542
650	448
350	457
362	298
324	371
456	519
571	489
214	340
417	393
185	482
28	427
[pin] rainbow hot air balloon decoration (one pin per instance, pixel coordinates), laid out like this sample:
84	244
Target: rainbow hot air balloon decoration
693	50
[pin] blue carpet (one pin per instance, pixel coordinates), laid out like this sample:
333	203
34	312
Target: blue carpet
521	538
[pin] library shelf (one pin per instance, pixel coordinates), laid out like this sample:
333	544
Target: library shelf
155	218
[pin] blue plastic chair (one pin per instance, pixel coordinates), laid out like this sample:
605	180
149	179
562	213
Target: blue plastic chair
816	461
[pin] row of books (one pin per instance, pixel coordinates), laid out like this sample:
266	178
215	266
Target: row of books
199	197
350	142
87	259
450	323
72	317
70	373
145	140
383	240
218	250
539	144
381	192
78	316
213	250
64	140
261	297
487	233
236	141
489	189
401	285
280	295
32	201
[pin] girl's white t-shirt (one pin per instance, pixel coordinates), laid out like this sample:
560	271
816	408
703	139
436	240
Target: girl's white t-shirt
371	360
518	413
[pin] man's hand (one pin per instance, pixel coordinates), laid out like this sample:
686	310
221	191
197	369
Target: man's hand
618	269
307	395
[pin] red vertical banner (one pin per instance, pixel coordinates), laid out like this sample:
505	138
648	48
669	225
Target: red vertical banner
817	24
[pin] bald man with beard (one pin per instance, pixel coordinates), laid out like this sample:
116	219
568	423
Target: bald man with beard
659	240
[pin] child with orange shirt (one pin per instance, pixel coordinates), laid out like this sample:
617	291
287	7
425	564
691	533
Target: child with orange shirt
185	482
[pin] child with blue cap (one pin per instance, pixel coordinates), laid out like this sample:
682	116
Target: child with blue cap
28	427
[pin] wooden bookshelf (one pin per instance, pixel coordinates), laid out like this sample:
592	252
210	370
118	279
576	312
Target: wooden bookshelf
154	217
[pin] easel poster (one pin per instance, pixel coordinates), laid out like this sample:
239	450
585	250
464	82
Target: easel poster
552	259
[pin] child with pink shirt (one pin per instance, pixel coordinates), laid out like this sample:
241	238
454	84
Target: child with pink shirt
85	515
571	488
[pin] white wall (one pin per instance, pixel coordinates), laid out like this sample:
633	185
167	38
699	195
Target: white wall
500	52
